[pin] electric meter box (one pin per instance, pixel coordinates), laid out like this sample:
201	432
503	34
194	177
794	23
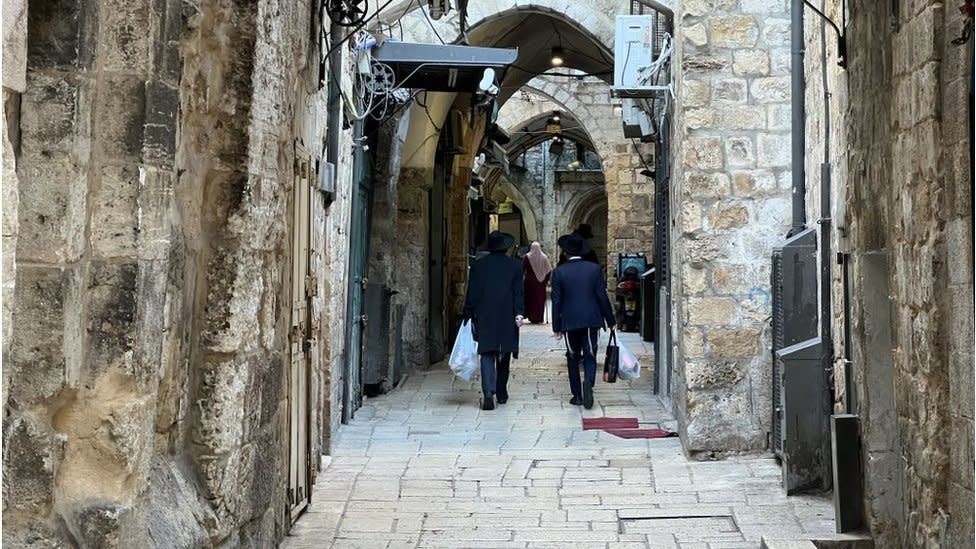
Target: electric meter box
633	50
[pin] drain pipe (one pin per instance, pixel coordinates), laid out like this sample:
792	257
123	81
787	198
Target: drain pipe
333	131
797	92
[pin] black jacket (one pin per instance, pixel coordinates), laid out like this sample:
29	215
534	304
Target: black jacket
493	300
579	297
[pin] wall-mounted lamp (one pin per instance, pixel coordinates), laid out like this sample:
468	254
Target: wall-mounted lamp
556	147
556	57
553	124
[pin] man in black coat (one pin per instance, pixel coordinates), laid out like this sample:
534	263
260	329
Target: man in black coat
494	303
585	231
580	307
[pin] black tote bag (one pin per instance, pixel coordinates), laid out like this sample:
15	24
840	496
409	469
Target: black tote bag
611	362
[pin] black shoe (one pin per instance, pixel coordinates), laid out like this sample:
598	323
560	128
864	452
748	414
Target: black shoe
488	403
575	401
587	395
502	400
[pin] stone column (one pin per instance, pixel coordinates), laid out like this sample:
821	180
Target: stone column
412	261
730	202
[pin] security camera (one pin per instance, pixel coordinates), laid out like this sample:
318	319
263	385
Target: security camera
438	8
487	84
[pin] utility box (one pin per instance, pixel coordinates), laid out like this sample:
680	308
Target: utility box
794	314
806	412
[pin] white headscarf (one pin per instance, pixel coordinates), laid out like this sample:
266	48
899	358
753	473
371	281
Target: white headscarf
541	266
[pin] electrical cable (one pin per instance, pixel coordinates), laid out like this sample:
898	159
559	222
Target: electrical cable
427	112
639	155
360	27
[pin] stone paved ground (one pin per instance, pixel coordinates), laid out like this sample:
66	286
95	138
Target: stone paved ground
424	467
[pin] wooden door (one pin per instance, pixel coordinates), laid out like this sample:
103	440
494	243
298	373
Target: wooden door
300	339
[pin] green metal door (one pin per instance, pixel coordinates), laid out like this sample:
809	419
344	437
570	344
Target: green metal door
356	318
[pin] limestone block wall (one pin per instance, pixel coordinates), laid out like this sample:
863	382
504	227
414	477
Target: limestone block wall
730	205
907	207
146	381
96	173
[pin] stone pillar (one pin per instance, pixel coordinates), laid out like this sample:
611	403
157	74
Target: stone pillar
730	202
412	261
550	205
96	172
14	83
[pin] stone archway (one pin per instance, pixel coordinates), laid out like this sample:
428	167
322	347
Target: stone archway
594	15
533	225
585	207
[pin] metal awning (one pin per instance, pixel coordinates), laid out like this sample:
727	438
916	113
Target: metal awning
437	67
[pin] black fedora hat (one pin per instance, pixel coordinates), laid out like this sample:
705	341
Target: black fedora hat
585	231
498	241
574	244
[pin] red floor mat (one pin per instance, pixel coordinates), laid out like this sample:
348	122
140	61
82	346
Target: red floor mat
641	433
609	423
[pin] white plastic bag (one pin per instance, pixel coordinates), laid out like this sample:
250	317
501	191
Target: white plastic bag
629	365
464	360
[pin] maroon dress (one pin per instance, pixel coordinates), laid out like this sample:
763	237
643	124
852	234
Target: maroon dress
535	293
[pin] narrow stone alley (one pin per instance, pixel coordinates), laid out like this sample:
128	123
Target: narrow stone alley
237	240
425	467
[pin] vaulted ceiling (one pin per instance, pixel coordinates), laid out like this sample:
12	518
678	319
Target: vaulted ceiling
535	32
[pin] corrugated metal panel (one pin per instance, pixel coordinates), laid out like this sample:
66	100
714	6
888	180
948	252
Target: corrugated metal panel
777	285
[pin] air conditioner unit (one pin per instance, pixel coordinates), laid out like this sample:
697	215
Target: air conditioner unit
634	50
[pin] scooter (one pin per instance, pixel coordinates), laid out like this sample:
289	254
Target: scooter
628	301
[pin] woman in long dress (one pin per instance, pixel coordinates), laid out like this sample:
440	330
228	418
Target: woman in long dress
537	269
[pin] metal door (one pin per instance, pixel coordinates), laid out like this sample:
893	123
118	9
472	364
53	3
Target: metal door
436	318
356	317
300	339
662	267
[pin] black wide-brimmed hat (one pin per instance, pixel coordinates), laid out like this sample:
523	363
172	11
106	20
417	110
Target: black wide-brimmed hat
585	231
498	241
574	244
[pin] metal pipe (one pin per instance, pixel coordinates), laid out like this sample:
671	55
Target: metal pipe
826	281
797	92
333	131
654	4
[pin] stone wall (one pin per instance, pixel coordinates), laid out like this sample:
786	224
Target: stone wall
14	83
906	203
96	175
147	372
730	206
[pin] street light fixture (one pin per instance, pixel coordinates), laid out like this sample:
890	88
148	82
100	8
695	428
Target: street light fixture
556	56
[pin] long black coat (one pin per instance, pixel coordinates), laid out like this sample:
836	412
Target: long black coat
494	299
579	297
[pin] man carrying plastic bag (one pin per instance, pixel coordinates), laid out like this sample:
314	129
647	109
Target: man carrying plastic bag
494	305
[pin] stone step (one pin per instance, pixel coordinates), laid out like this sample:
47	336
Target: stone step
856	540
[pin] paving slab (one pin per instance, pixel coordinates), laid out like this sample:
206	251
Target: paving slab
423	467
